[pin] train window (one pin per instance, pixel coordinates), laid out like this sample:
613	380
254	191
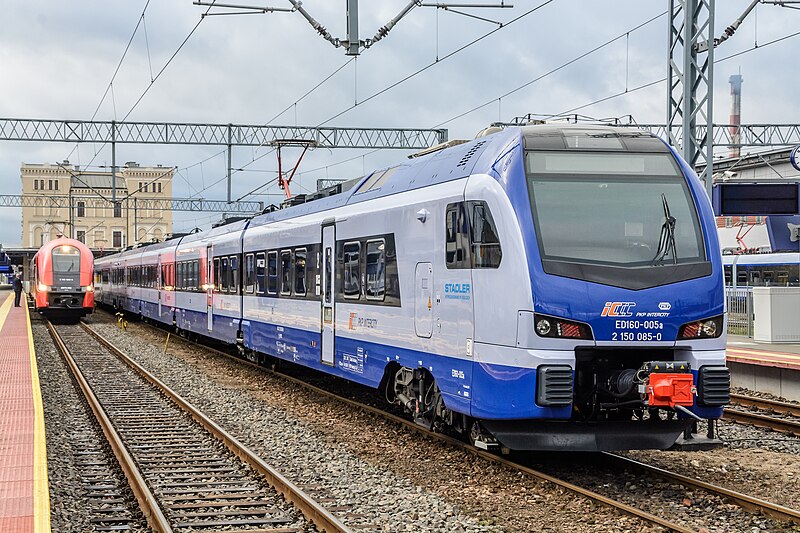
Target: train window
261	266
328	274
196	274
484	243
272	273
376	270
783	277
300	256
351	282
769	277
224	278
457	237
217	275
182	275
249	274
235	267
755	278
286	272
66	259
741	277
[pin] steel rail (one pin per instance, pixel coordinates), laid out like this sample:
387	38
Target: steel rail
783	425
784	408
570	487
313	511
745	501
147	501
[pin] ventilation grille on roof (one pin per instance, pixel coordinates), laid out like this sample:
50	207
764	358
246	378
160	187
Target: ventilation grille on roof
470	153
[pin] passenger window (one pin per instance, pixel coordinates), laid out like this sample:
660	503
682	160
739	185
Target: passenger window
484	243
196	275
783	277
376	270
234	271
272	273
286	272
180	275
352	270
249	274
768	277
457	237
224	280
260	272
328	274
300	272
741	277
217	276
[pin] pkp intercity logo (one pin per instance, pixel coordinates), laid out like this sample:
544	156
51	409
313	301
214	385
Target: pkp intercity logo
618	309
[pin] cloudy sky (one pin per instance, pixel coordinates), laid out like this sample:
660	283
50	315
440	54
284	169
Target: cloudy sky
57	59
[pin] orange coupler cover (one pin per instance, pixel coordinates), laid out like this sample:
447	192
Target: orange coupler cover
669	390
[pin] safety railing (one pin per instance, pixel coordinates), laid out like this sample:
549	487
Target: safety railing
739	302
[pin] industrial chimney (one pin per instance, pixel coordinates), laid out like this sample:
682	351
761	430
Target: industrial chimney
736	115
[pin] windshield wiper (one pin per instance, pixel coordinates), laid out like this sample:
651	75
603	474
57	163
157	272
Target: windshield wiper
666	241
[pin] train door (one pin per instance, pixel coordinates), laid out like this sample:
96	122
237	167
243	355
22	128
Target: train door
159	284
423	305
328	307
210	281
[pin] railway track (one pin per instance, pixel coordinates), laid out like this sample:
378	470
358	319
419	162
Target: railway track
787	421
745	501
186	473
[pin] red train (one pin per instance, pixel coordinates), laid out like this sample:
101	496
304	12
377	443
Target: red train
62	285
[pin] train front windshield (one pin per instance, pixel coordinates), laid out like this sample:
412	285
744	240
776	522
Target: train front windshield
619	210
66	259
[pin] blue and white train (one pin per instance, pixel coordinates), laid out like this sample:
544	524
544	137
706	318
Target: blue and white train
541	287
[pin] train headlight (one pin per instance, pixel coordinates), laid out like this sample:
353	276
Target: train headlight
547	326
41	287
709	328
88	288
543	327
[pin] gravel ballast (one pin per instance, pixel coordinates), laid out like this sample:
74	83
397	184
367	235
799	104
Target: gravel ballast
373	472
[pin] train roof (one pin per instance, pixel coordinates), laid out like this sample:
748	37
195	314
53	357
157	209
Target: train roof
63	241
785	258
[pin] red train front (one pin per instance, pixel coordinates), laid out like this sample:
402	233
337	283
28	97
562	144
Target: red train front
62	279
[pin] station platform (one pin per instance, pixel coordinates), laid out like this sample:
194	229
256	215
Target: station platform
771	368
24	490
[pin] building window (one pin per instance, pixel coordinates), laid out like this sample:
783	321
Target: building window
117	209
81	209
49	185
117	242
82	236
159	187
35	185
41	184
56	184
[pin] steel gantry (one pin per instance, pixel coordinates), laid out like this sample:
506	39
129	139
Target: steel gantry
690	83
166	204
228	135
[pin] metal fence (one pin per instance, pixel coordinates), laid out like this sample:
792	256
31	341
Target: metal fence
739	302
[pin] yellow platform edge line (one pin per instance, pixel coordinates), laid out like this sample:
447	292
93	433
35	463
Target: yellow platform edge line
764	353
41	484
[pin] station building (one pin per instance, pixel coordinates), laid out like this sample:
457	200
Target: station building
62	199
